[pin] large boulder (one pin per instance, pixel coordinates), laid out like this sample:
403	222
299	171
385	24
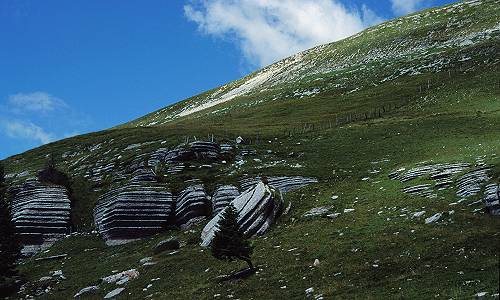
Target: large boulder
223	195
193	206
41	214
492	198
133	211
258	207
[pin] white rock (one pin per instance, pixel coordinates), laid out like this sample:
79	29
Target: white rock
419	214
86	290
121	277
114	293
348	210
309	292
316	262
433	218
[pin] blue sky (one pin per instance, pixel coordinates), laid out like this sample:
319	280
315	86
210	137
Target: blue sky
71	67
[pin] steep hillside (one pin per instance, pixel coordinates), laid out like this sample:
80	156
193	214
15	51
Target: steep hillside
379	154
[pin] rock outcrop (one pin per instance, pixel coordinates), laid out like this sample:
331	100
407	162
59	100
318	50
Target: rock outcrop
192	206
258	207
492	198
132	211
223	195
41	214
282	183
468	180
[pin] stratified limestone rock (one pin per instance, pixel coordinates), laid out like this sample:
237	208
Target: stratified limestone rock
258	208
282	183
133	211
192	206
41	214
470	183
223	195
435	171
492	198
196	150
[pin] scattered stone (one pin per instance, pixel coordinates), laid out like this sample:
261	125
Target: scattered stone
122	277
334	197
348	210
318	211
481	294
309	292
53	257
433	218
168	244
316	262
333	216
114	293
419	214
85	290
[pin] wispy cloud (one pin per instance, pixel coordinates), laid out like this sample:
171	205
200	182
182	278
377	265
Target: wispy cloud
267	30
26	130
403	7
36	118
34	102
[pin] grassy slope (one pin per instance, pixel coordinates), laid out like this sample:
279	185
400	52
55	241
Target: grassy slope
455	118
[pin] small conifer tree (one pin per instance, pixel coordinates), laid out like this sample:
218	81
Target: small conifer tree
229	243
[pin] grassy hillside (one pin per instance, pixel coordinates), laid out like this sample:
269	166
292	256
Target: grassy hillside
418	90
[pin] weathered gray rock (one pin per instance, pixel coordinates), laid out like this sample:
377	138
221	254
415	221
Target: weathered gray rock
192	206
114	293
318	211
41	214
282	183
258	207
470	183
168	244
133	211
223	195
433	218
492	198
86	290
435	171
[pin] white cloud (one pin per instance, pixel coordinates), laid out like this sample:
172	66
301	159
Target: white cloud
268	30
34	102
26	130
403	7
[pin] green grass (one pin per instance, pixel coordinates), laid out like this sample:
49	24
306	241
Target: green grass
450	115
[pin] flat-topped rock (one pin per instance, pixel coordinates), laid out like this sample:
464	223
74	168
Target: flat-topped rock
133	211
258	207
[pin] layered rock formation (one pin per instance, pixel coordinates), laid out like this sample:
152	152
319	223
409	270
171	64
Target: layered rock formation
132	211
257	207
469	183
492	198
192	206
41	214
223	195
